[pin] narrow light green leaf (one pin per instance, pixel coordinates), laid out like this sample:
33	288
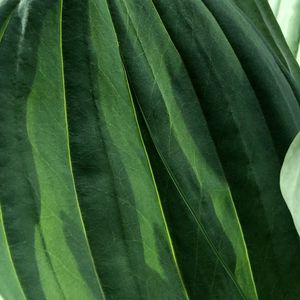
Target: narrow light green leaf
3	27
290	180
40	208
10	288
278	37
275	4
6	10
6	7
277	34
289	19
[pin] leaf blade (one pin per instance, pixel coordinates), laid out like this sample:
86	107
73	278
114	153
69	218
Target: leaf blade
289	180
122	205
159	103
45	224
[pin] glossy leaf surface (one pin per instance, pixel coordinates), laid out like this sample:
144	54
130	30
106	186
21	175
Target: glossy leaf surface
287	13
290	180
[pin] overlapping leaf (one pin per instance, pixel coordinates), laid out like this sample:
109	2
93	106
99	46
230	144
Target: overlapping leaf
40	208
287	13
289	180
141	144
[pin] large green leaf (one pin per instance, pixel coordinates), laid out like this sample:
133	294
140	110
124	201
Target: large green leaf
268	230
10	287
290	180
39	203
275	4
287	13
234	113
117	192
180	135
288	17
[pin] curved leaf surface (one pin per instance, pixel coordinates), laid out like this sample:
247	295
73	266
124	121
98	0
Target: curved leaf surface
180	135
289	19
275	4
135	137
117	192
39	203
243	140
268	23
10	287
290	180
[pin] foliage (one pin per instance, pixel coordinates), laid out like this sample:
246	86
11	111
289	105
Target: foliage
290	180
141	147
287	13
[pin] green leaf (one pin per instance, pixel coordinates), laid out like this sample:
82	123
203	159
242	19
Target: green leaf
265	123
6	10
39	203
117	192
10	287
275	4
182	141
261	17
287	14
290	180
268	78
259	13
289	19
